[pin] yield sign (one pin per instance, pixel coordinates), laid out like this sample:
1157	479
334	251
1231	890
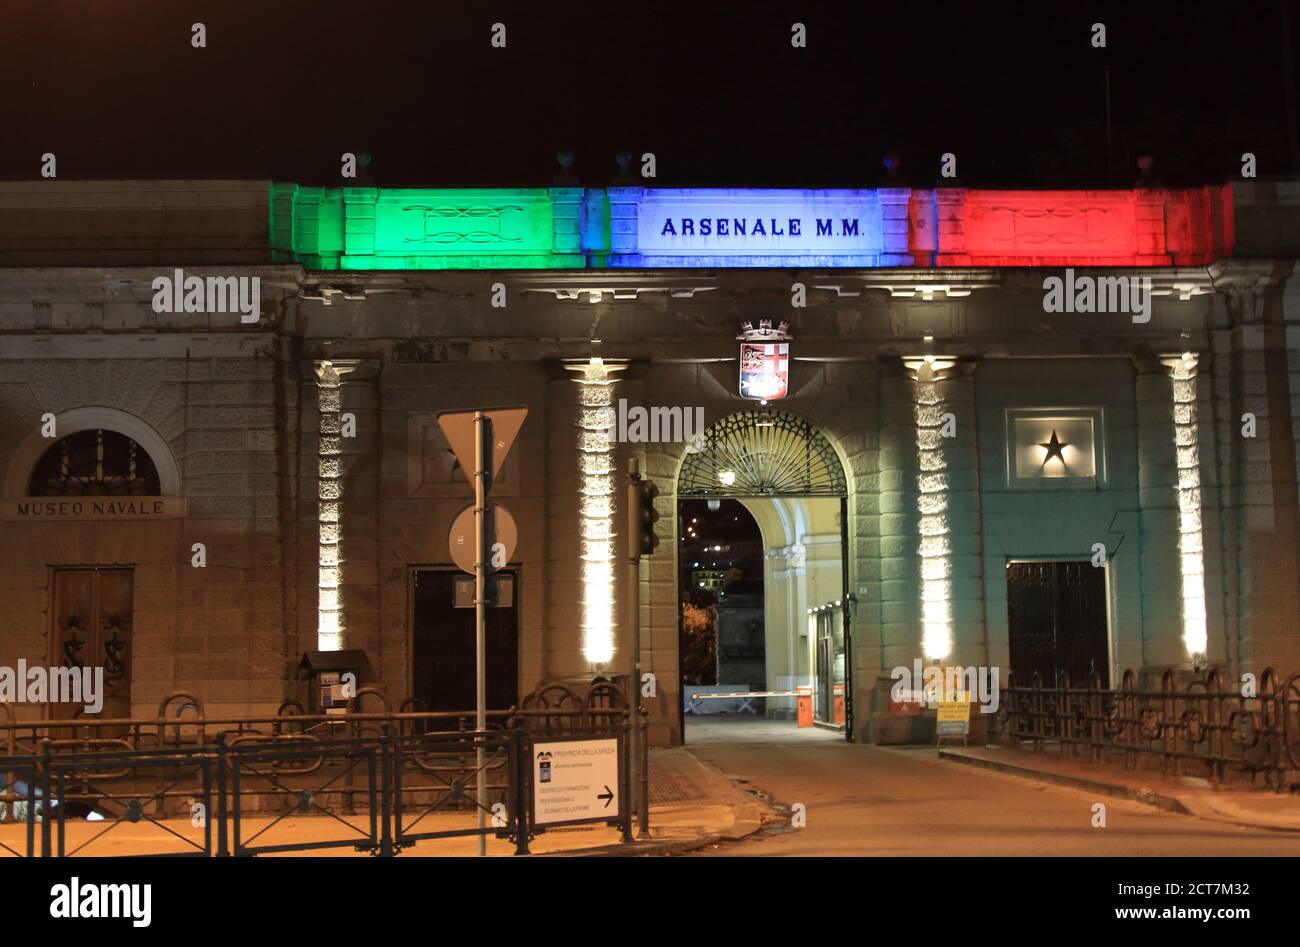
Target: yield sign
458	428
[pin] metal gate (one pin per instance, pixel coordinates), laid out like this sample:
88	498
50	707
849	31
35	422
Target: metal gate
1057	620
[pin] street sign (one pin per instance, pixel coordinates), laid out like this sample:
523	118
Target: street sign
501	530
500	591
458	428
575	781
953	718
482	538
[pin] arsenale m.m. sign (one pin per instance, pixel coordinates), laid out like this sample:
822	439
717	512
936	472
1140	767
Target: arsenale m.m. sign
714	224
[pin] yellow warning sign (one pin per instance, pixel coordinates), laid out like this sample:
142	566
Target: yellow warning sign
953	719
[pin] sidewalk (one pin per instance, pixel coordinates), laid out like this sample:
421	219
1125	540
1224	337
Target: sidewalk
692	805
1238	805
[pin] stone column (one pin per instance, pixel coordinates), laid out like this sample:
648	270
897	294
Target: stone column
660	608
900	602
899	586
329	601
965	518
581	513
937	520
1187	489
787	565
1161	577
1257	404
359	452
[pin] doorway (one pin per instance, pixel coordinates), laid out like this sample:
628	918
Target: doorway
761	547
93	612
828	685
443	653
1058	621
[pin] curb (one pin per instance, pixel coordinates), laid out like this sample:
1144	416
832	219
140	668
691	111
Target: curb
747	818
742	828
1146	796
648	847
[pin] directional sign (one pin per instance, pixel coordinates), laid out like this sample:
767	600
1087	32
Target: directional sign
575	781
501	530
458	428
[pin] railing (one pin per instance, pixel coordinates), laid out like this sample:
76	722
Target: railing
374	777
1204	729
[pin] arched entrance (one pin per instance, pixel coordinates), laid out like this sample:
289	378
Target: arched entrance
101	458
762	545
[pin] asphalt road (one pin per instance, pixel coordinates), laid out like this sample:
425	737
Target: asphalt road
860	800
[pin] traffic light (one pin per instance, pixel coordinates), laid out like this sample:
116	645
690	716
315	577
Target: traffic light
649	516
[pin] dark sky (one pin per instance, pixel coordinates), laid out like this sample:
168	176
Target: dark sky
713	89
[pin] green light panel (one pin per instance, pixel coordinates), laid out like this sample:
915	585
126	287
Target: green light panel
367	228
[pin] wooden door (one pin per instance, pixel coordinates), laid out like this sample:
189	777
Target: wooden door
92	628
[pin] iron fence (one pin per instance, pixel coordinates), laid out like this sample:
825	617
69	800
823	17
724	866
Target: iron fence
1204	728
74	782
281	770
449	766
375	777
19	802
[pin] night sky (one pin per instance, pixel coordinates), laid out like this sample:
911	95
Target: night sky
714	90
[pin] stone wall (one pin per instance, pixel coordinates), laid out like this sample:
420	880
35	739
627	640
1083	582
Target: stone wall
237	410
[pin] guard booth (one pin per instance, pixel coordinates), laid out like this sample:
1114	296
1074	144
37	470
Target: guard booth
333	677
830	690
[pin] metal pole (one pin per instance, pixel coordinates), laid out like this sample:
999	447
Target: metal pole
634	629
481	441
846	615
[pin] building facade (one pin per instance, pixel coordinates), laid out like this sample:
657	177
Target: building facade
1043	431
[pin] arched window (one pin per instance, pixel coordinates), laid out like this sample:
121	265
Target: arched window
96	463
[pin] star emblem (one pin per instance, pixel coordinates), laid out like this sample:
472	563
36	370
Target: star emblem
1054	448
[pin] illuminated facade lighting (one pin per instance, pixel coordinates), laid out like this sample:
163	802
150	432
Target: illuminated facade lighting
534	228
932	505
1191	555
596	508
329	592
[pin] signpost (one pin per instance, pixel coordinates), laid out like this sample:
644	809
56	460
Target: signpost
502	537
481	439
576	781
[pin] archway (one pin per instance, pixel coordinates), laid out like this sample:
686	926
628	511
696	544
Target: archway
762	516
